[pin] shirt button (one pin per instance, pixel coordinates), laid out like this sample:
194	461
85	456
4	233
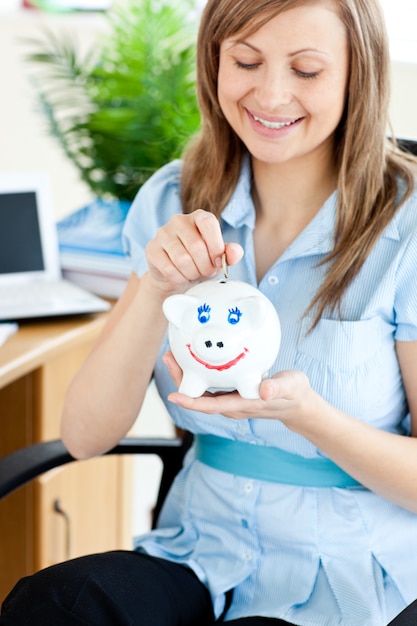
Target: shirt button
249	486
247	555
273	280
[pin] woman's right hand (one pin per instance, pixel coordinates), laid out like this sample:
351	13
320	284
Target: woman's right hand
106	395
187	249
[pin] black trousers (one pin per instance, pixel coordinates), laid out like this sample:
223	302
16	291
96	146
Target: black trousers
408	617
121	588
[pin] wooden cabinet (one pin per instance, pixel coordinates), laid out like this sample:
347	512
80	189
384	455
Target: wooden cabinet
77	509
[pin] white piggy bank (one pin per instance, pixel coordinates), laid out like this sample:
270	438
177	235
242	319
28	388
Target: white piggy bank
224	334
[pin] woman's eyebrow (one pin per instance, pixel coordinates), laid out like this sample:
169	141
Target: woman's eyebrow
243	42
306	50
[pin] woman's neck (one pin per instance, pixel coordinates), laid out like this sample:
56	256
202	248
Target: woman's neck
286	197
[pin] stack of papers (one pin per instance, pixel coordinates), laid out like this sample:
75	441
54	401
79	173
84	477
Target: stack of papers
90	246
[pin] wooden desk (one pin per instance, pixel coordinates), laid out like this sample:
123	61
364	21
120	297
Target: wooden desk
36	366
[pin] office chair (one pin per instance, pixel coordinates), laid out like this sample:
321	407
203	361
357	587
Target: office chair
22	466
408	144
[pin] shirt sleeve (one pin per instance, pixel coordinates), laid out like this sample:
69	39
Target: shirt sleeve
155	203
406	292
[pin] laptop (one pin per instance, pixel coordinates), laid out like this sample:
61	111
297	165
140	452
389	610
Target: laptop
31	283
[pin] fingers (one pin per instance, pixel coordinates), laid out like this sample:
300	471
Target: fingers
228	404
187	249
234	253
283	392
287	385
173	367
209	228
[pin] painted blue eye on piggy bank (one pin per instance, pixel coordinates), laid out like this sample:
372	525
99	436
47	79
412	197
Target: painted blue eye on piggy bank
224	334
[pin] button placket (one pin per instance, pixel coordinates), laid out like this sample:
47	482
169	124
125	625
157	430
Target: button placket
242	428
248	488
247	555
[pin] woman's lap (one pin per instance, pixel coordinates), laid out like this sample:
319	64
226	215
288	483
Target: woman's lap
122	587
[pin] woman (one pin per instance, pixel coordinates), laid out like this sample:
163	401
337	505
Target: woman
292	168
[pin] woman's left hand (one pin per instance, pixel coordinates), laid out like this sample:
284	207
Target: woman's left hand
286	396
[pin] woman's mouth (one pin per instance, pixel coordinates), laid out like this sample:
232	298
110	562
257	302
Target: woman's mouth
274	125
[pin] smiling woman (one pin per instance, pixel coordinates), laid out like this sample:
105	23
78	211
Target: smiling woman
293	183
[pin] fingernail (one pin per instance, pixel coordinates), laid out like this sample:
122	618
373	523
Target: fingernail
267	392
165	360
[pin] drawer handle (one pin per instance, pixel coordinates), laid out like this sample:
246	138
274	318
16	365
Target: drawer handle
67	520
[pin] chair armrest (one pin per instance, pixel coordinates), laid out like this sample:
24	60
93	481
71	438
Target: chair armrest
408	144
25	464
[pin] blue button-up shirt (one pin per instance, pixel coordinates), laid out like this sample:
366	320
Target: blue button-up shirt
312	556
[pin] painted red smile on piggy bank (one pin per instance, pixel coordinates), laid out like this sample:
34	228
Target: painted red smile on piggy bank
219	368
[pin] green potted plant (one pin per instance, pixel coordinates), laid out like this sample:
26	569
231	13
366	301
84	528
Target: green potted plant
126	107
119	111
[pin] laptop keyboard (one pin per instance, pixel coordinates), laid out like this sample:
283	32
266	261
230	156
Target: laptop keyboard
53	294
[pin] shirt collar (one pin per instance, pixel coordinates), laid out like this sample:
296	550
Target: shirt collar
316	238
391	231
240	210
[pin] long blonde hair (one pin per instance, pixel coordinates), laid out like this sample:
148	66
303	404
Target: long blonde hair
369	166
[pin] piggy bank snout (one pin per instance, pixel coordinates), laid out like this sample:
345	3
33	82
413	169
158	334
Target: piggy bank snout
215	342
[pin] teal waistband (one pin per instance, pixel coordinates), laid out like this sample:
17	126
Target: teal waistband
270	464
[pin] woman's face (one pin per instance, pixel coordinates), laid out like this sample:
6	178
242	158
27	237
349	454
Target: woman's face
283	88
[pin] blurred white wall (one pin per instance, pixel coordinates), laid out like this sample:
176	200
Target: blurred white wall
25	144
404	98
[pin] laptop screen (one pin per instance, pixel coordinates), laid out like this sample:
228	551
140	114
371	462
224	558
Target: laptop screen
31	284
28	237
20	238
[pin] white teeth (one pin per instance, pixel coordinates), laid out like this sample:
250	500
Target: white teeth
274	125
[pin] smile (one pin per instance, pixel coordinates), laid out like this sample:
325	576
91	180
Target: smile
274	125
223	366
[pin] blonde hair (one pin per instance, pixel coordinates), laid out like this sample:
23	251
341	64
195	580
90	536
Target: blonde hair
369	165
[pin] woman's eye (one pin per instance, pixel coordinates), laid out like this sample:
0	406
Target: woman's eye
307	75
247	66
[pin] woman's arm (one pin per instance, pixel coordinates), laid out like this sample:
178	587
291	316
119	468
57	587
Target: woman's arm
385	463
106	395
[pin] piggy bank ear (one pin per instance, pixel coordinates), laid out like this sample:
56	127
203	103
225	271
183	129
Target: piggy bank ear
255	309
175	306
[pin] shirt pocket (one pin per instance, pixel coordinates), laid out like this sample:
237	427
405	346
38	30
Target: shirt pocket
339	344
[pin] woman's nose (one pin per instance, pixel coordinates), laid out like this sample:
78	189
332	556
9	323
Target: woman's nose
273	91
